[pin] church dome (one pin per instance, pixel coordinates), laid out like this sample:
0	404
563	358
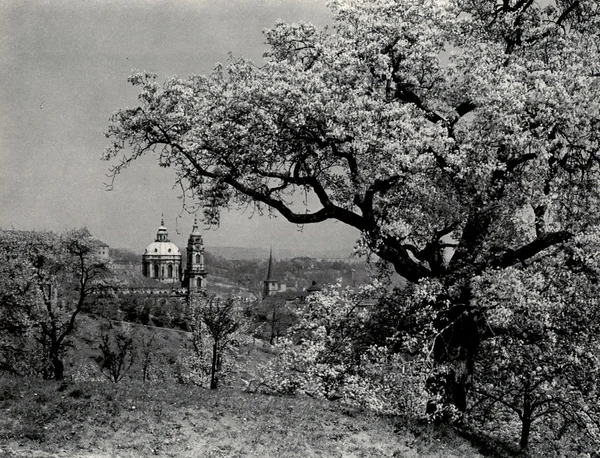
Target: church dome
162	249
162	259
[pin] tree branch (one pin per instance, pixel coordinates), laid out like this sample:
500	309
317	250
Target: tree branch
511	257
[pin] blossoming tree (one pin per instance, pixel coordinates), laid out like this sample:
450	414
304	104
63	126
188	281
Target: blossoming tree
457	136
45	279
540	366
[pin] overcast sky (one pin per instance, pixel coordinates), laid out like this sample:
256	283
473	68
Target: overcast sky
63	70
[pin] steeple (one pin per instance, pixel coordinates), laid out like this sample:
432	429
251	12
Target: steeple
270	268
270	285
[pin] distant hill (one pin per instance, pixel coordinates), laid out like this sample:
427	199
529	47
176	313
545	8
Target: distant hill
231	252
128	256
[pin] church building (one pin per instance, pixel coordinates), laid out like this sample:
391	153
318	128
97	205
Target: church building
162	259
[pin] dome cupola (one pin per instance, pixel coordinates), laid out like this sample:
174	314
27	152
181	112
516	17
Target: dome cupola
162	235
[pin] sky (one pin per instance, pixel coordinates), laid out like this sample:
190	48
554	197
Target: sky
64	66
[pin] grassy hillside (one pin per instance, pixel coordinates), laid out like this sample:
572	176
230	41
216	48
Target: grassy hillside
98	419
86	416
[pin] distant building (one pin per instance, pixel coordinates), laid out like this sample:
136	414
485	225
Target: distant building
270	285
195	273
162	259
245	296
100	248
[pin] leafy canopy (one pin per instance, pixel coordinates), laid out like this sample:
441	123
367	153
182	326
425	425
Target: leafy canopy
418	122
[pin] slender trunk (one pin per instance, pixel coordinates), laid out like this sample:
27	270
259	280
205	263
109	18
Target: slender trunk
525	429
273	324
213	377
526	419
272	336
146	368
58	368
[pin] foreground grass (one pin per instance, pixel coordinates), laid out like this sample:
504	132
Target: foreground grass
99	419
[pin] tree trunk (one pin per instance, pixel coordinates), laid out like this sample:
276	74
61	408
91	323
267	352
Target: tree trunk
273	324
59	368
213	370
526	419
455	349
525	429
272	336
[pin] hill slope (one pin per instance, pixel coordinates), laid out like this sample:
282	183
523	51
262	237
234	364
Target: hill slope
96	419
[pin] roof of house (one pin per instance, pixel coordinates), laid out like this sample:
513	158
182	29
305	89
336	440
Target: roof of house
98	243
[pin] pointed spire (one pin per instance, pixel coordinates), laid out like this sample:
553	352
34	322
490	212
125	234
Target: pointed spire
195	234
162	219
270	268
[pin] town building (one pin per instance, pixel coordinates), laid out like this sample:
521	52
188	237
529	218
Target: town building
101	249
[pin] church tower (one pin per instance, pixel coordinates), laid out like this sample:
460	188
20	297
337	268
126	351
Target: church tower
195	274
270	285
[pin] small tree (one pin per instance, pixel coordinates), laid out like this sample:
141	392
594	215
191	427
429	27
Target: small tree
275	315
147	348
18	296
330	353
220	320
118	352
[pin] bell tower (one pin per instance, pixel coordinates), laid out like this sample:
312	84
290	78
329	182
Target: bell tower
195	274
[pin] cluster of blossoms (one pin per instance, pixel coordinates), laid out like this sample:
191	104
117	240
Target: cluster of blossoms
325	356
